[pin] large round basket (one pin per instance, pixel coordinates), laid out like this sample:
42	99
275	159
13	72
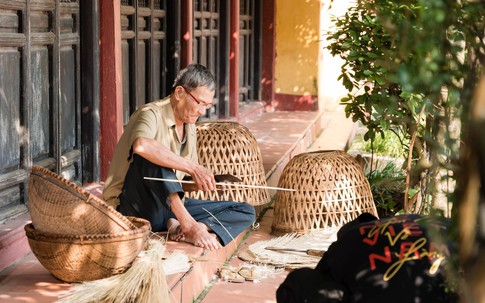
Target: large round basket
230	148
76	258
331	191
56	204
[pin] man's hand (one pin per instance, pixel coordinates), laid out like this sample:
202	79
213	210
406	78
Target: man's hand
203	177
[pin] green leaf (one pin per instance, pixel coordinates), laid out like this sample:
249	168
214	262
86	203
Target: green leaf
379	80
371	55
346	45
348	84
412	192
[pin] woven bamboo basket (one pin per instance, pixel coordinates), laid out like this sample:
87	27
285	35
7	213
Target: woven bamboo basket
331	191
230	148
56	204
77	258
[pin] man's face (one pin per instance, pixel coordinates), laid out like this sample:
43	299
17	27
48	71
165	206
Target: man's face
194	103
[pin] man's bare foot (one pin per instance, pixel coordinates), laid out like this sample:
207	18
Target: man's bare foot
174	230
201	236
206	228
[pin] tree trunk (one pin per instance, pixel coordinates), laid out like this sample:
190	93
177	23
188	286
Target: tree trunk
471	207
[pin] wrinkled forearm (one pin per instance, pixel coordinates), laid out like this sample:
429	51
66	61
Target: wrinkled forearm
159	154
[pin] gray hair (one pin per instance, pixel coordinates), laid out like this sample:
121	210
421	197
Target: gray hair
194	75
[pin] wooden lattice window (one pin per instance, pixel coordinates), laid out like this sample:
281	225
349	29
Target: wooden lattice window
143	44
40	95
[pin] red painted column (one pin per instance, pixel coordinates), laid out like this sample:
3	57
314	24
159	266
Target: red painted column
269	52
186	52
234	60
111	94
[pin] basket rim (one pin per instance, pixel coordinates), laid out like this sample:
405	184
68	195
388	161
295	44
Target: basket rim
140	231
86	196
219	122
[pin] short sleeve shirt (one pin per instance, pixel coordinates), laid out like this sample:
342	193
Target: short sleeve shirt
154	120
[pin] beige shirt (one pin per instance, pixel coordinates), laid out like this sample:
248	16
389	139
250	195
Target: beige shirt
154	120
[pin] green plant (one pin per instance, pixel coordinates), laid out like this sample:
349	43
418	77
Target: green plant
387	186
411	66
414	65
388	145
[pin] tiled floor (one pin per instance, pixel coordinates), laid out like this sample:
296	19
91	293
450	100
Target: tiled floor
262	291
280	135
336	131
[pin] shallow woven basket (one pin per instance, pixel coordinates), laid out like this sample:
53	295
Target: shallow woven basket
58	205
76	258
230	148
331	191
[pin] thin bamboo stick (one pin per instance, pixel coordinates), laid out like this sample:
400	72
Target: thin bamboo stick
223	184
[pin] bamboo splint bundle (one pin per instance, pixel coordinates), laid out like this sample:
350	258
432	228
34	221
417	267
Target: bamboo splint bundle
260	253
230	148
331	191
144	282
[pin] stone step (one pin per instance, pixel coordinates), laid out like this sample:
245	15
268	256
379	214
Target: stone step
13	242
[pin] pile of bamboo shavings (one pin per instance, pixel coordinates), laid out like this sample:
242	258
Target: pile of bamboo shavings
144	282
317	239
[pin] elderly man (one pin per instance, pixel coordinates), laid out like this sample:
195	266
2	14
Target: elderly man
160	142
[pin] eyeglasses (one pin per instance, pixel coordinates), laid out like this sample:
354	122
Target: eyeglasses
202	105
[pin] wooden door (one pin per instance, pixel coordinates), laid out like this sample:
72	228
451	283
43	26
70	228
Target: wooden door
211	49
249	50
144	52
39	95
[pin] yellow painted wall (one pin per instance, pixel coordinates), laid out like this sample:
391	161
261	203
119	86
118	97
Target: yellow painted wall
330	89
297	46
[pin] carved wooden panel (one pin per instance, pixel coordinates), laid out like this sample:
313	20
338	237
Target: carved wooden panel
245	28
143	44
248	50
206	43
39	95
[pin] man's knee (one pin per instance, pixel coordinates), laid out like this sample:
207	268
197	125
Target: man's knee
249	210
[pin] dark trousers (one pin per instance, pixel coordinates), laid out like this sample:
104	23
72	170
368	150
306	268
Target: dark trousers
148	199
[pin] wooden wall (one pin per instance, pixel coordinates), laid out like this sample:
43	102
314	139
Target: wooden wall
39	95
